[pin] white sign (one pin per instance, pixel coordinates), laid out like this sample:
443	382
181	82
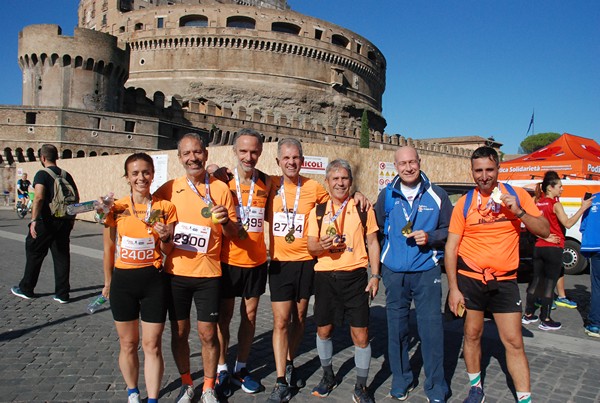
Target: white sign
387	172
160	171
314	165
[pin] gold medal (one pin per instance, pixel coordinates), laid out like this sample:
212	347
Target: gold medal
407	229
246	226
154	217
331	231
206	213
242	234
290	238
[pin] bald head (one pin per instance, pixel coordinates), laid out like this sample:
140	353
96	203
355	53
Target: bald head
408	165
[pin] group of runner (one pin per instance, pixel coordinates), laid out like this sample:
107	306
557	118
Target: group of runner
210	228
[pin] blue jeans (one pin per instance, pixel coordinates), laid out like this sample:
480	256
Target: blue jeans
594	314
426	289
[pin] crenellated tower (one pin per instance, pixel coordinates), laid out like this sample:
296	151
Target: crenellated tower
86	71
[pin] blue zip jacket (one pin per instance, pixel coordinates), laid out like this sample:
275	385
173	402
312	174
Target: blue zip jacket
432	215
590	240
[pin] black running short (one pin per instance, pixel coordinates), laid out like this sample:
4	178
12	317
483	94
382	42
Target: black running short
203	291
136	293
247	282
291	281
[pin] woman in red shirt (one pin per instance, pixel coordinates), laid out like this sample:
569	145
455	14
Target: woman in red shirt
547	256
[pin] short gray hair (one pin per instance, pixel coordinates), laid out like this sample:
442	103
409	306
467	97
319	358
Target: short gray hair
248	132
337	164
289	141
193	136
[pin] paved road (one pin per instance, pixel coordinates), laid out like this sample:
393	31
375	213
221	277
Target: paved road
58	353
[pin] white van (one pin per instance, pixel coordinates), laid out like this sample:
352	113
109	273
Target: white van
573	191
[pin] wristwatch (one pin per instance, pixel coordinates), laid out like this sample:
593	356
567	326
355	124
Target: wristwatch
522	213
377	276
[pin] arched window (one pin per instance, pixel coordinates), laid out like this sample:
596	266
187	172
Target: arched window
67	154
285	27
340	40
138	27
193	21
80	154
239	21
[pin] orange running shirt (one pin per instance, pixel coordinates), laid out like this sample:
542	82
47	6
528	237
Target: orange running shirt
311	193
349	251
136	247
252	251
197	240
490	240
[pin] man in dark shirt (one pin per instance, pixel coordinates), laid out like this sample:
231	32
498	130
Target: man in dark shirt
47	232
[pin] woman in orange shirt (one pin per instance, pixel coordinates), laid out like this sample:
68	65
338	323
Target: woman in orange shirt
139	228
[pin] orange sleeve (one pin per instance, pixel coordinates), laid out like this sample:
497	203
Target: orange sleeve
371	222
457	221
313	228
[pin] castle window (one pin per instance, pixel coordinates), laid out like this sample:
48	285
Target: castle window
371	55
358	48
121	29
95	123
139	26
125	5
340	40
104	23
160	22
318	34
30	118
193	21
129	126
239	21
286	28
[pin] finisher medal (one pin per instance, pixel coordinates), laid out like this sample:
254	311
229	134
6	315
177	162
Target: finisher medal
331	231
290	238
407	229
206	213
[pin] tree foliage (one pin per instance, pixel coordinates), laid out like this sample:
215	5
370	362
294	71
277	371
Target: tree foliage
536	141
364	130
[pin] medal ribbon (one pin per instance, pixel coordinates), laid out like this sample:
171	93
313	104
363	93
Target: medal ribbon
244	211
339	210
413	210
206	199
146	219
296	200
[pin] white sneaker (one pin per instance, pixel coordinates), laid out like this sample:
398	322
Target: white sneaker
209	396
134	398
186	394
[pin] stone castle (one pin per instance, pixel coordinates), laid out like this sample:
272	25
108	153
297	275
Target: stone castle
138	74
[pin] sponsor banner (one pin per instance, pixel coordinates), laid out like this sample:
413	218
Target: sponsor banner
314	165
535	168
387	172
594	169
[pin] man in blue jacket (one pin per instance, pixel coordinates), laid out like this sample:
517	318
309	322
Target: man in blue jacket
413	216
590	247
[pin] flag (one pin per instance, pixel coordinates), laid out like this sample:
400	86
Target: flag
530	123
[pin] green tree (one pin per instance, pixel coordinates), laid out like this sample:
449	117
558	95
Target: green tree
364	130
536	141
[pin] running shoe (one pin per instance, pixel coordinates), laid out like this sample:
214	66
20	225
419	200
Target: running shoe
527	319
476	395
134	398
324	388
291	376
244	380
565	302
186	394
403	396
19	293
209	396
361	395
549	325
60	300
222	384
592	331
281	393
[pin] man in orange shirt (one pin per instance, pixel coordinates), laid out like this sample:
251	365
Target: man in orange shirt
243	260
205	212
336	236
483	247
291	270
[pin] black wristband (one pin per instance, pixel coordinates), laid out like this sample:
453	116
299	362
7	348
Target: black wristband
521	214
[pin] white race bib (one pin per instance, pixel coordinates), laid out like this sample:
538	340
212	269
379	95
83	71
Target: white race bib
137	250
256	219
280	225
191	237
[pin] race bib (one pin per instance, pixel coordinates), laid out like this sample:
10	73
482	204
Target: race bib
191	237
280	225
256	219
138	251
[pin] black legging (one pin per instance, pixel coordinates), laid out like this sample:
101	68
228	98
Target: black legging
547	266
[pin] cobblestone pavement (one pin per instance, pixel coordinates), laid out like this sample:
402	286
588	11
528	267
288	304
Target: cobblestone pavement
58	353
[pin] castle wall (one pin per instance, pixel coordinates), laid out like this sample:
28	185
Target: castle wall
320	71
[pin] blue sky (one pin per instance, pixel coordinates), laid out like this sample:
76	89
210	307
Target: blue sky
454	67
